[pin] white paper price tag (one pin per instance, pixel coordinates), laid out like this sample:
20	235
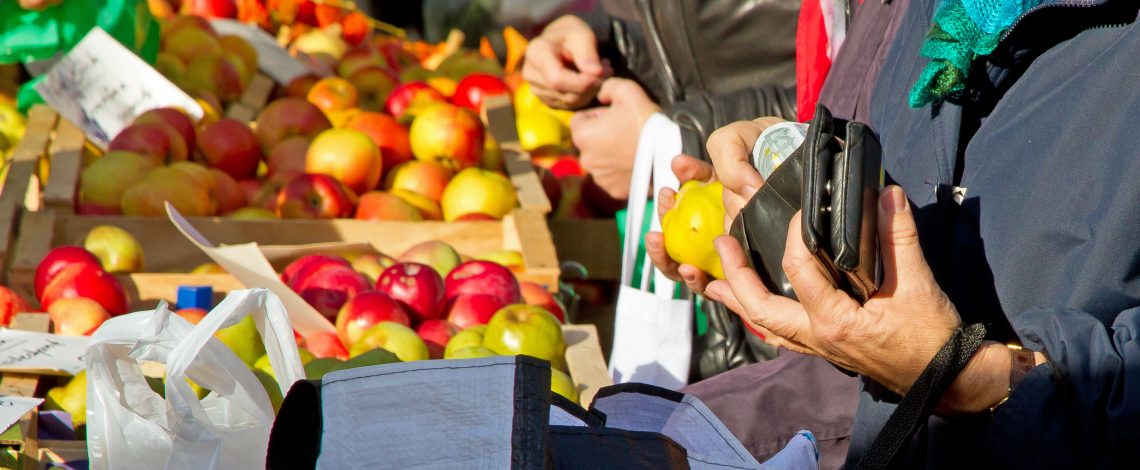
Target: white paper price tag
271	57
13	407
26	351
101	86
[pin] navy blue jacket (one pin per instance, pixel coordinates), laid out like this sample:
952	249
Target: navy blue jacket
1045	245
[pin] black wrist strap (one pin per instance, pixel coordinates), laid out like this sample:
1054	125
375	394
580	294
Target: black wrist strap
920	401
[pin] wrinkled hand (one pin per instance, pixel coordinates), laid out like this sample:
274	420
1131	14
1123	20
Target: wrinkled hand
730	149
562	64
38	4
890	339
607	137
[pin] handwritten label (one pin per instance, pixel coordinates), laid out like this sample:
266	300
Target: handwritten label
12	408
101	86
26	351
271	57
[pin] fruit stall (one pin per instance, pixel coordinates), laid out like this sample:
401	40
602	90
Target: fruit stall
384	189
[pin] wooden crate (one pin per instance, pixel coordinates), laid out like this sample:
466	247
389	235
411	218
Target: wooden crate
253	99
169	255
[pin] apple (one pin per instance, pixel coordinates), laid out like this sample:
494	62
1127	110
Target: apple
550	185
170	67
390	136
473	352
447	134
348	156
492	155
229	145
416	286
194	315
478	191
439	255
393	337
288	117
84	280
328	289
308	264
365	310
373	85
566	166
229	194
176	24
264	194
214	73
326	344
511	259
561	384
379	205
118	251
210	8
311	196
189	190
244	340
252	213
358	59
534	294
475	217
288	157
526	329
158	140
436	333
474	88
298	87
104	181
483	277
186	43
10	304
406	94
56	260
372	266
76	316
177	120
468	310
333	94
420	177
465	338
571	205
429	209
241	48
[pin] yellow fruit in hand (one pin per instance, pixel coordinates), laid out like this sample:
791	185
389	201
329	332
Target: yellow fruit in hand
697	217
539	129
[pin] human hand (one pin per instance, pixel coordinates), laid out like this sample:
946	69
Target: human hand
38	4
730	149
890	338
607	137
562	64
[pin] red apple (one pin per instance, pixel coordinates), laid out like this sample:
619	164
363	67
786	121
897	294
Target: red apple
328	289
288	117
216	73
436	333
429	209
230	194
367	309
59	258
390	136
229	145
426	178
407	94
326	344
474	88
314	197
298	87
416	286
333	94
534	294
373	85
11	304
372	266
83	280
484	277
76	316
158	140
288	157
439	255
447	134
210	8
176	119
348	156
358	59
379	205
308	264
467	310
192	314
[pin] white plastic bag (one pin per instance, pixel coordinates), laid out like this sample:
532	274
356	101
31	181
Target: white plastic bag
653	332
131	426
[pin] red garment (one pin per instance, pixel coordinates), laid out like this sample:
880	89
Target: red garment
812	62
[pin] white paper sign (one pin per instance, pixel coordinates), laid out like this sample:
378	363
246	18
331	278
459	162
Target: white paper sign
26	351
12	408
271	57
101	86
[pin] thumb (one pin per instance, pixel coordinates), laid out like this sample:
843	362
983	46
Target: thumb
582	50
898	241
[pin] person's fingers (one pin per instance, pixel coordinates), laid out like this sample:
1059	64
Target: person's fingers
720	291
655	248
898	242
582	51
780	315
814	287
695	279
665	200
730	148
613	89
540	57
688	168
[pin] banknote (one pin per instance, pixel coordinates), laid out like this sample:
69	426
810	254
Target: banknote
776	144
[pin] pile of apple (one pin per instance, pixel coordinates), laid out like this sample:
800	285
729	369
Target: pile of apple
215	69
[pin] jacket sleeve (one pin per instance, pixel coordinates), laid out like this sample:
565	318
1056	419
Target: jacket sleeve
1079	409
699	116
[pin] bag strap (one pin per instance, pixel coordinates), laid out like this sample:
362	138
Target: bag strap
919	402
635	212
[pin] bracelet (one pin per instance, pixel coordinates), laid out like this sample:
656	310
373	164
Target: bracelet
1021	363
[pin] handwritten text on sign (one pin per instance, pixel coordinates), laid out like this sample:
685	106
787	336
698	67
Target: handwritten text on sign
26	351
101	86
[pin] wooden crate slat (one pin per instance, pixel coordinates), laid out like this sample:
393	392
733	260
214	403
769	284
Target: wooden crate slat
585	360
21	179
257	94
35	241
66	157
527	232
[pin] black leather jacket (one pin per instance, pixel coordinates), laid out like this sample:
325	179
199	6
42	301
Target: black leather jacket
707	62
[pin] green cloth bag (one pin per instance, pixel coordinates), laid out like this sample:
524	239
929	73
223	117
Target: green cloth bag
28	35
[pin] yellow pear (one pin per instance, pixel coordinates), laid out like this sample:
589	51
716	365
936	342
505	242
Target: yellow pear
696	219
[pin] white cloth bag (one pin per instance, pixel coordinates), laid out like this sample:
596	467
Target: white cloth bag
131	426
653	333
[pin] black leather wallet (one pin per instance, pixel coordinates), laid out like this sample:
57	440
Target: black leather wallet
834	176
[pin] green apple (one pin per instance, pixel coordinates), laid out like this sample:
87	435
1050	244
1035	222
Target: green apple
244	340
317	368
271	388
397	338
467	338
118	251
262	363
374	357
561	384
471	352
526	329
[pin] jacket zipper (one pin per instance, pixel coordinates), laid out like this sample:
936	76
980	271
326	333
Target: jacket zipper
1065	4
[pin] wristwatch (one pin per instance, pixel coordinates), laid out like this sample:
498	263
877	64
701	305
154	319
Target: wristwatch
1022	361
